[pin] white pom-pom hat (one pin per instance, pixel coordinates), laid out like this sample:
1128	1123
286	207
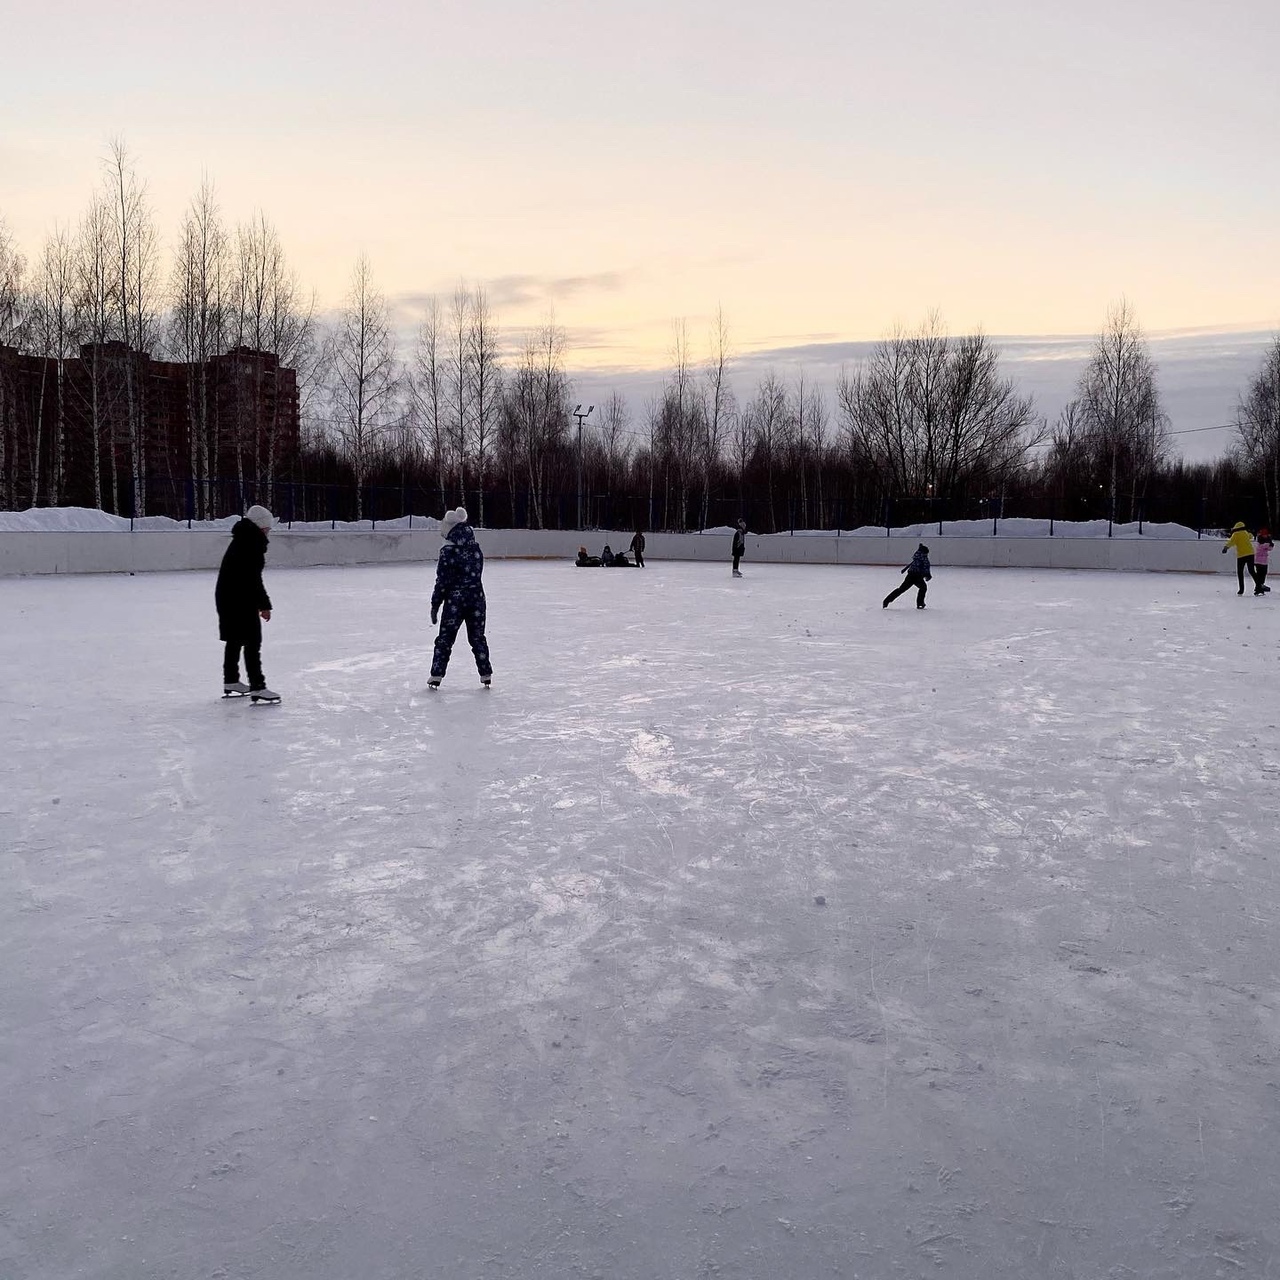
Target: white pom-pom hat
450	518
261	517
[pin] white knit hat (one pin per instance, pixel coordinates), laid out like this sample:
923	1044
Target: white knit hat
261	517
450	518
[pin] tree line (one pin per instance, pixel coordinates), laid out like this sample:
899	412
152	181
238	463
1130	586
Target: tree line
928	426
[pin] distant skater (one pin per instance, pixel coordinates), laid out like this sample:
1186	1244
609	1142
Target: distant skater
918	575
637	547
1261	554
739	545
1243	547
243	606
460	593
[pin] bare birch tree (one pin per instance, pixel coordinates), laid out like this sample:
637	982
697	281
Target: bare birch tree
57	322
484	374
429	393
14	330
1258	427
365	375
137	250
1120	407
198	321
97	302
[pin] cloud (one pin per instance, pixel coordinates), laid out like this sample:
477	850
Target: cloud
519	291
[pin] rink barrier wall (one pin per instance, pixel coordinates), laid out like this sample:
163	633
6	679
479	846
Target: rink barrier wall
55	552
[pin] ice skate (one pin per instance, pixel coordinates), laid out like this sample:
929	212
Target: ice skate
263	695
486	682
920	604
736	574
434	682
235	689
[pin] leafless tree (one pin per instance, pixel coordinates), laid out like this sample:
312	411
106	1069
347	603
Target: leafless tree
615	425
14	332
535	414
1258	426
1120	407
198	323
57	324
772	422
137	250
97	295
718	407
429	393
268	312
459	382
484	376
931	415
364	391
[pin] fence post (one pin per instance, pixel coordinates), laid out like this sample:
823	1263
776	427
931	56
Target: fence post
188	496
888	512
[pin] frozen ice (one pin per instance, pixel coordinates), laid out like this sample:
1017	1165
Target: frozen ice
540	983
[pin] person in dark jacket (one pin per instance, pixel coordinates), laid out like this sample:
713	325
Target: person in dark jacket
637	547
739	548
459	597
243	604
918	573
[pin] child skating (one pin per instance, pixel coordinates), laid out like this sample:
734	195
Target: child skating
918	574
739	548
243	606
1261	554
1242	544
458	597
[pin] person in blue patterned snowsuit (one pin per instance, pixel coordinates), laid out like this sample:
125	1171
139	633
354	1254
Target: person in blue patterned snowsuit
459	597
918	573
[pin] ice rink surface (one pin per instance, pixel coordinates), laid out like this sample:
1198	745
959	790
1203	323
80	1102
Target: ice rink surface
743	930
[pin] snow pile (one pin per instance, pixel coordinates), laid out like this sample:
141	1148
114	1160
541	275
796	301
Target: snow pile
89	520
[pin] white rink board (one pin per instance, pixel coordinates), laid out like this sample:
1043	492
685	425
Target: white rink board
534	983
54	552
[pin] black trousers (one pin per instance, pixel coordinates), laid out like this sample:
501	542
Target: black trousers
737	557
252	663
1259	576
1243	563
911	580
639	557
452	616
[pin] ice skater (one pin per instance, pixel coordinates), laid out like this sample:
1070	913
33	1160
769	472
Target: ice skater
460	593
1261	554
918	575
637	547
243	606
739	548
1243	546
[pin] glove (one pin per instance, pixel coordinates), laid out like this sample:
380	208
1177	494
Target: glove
435	614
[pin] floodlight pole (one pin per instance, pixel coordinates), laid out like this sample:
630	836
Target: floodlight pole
581	417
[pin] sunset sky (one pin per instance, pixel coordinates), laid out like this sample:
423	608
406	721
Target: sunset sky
821	171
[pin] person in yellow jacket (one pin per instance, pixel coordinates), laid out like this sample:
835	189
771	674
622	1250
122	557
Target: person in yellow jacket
1243	545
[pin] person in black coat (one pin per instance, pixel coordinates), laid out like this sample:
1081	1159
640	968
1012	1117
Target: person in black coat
637	547
918	573
459	592
739	548
242	602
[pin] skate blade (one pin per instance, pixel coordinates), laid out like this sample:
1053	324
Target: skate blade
227	696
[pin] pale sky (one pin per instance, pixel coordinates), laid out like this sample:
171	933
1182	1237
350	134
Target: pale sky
821	170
